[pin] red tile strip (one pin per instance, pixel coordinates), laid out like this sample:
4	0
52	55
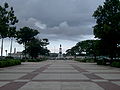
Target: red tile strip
114	80
78	68
92	76
35	73
29	76
41	69
107	72
17	85
13	86
108	86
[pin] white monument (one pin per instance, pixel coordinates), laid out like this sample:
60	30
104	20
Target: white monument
60	55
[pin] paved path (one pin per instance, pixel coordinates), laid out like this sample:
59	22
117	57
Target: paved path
59	75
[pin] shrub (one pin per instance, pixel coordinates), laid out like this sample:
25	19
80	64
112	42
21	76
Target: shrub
101	62
37	60
9	57
23	60
8	62
115	64
84	60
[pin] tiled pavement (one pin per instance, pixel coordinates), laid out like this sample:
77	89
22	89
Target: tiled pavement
59	75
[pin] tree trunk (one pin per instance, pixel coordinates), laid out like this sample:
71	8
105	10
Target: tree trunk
95	58
2	48
11	46
25	51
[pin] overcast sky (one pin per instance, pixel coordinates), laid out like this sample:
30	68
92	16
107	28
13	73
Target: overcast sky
63	22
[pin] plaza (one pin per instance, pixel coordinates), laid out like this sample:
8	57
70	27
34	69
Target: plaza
59	75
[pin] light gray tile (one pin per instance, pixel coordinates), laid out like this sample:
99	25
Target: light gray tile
73	77
10	76
80	86
3	83
116	82
47	77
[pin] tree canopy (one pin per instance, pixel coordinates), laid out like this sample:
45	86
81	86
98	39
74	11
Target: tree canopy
7	22
35	47
25	35
87	46
107	26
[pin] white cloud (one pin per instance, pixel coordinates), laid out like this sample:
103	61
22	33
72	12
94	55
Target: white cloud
40	25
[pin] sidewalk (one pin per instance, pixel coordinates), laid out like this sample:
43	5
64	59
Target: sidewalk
59	75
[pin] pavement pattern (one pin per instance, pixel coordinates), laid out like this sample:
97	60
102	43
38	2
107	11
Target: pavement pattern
59	75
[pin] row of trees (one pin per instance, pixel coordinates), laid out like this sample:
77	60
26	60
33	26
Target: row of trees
25	35
107	30
87	47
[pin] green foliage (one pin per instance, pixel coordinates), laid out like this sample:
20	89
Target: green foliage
115	64
9	57
37	60
89	60
90	47
72	51
101	62
36	47
23	60
25	35
107	27
7	22
8	62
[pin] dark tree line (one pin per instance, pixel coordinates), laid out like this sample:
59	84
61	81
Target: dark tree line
87	47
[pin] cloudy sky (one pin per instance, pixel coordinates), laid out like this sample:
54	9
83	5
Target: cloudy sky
63	22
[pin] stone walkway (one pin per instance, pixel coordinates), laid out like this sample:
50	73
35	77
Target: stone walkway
59	75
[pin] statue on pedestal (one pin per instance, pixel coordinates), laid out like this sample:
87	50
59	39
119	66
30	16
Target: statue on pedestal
60	55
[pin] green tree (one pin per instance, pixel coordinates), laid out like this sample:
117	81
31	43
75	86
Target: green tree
25	35
74	51
88	46
36	47
91	47
7	22
12	28
107	27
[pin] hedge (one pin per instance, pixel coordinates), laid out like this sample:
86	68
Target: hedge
101	62
90	60
115	64
37	60
34	60
6	63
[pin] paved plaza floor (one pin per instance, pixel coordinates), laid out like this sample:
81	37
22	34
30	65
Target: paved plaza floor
59	75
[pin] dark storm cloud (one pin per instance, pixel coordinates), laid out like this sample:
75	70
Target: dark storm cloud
57	19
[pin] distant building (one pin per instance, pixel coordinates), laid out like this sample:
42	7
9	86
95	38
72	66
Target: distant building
53	54
19	55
